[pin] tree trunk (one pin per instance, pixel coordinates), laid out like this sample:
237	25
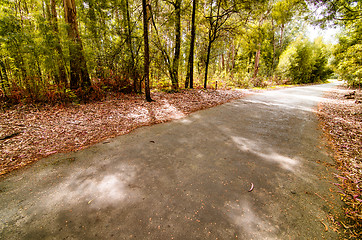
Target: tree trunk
79	77
38	66
274	49
2	82
281	37
4	75
257	61
146	14
234	53
213	30
190	65
58	48
207	62
128	33
20	64
176	59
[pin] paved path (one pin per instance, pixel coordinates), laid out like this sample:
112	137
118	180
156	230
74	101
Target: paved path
186	179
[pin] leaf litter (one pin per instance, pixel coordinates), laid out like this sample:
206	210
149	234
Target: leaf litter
341	118
30	133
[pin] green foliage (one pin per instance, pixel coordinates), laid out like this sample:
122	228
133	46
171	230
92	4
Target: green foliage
348	55
338	11
248	38
305	62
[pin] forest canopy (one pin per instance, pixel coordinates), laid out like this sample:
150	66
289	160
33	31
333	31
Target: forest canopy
53	50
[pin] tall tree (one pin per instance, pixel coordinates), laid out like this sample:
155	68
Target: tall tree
166	45
260	39
4	81
61	77
131	70
146	16
79	77
176	59
190	65
219	13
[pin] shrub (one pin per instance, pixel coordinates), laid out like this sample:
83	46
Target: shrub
305	62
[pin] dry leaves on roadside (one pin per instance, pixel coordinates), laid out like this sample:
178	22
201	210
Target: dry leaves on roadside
341	119
40	132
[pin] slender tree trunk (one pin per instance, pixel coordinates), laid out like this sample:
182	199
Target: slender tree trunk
257	61
130	46
207	62
60	57
128	33
234	52
190	65
20	64
209	46
176	59
146	14
2	82
281	37
18	58
274	49
79	77
4	73
38	66
257	55
214	28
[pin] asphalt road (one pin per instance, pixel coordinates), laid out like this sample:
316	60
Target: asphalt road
187	179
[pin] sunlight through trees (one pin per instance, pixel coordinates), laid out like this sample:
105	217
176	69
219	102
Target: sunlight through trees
67	50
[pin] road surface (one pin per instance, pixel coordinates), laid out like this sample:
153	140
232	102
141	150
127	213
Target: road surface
254	168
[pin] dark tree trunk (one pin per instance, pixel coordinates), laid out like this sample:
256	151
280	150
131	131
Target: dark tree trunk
146	14
79	77
207	62
213	33
190	65
176	60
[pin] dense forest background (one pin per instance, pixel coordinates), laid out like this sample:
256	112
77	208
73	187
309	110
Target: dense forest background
66	50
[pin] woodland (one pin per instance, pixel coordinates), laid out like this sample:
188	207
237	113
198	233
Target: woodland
54	51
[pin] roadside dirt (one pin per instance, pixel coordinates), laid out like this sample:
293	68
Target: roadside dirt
29	133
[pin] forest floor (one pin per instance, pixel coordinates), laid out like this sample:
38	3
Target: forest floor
29	133
341	117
